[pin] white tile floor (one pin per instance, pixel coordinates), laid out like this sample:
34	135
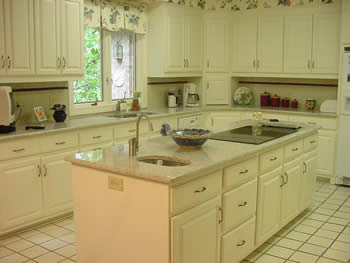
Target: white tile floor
321	234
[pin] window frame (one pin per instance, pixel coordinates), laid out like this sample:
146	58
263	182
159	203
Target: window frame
107	104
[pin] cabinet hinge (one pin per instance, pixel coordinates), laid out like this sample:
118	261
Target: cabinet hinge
220	215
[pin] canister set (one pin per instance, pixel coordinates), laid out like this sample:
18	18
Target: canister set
275	101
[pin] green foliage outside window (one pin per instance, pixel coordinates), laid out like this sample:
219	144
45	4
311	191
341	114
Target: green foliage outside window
90	89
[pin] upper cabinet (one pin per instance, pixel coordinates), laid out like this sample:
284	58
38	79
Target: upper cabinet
41	37
19	37
216	43
175	41
345	35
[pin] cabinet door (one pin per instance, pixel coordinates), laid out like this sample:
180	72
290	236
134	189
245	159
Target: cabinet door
217	91
2	39
193	40
47	36
216	40
345	21
270	44
20	195
175	60
57	183
309	178
196	234
19	37
297	44
72	42
269	205
291	190
326	154
326	44
243	43
224	121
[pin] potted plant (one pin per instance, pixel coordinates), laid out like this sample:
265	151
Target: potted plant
60	114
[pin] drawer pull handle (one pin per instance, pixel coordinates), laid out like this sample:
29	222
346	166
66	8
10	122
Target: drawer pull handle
244	172
97	149
241	244
287	177
312	141
96	137
282	184
192	121
200	190
60	143
311	122
295	149
243	204
273	159
132	130
18	150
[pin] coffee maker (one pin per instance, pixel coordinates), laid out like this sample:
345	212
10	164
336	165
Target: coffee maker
190	95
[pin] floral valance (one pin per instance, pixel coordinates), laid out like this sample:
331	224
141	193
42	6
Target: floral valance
116	15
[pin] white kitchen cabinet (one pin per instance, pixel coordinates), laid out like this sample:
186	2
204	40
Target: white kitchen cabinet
193	40
196	234
47	36
270	44
57	183
191	122
244	30
21	195
216	43
345	16
291	190
325	50
2	39
217	89
269	204
222	121
326	156
297	43
19	37
72	49
308	181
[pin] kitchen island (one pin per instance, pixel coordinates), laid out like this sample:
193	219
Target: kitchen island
227	200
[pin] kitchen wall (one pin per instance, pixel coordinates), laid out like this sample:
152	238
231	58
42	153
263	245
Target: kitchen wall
45	98
320	90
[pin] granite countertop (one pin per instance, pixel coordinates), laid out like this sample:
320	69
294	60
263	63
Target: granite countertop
212	156
99	120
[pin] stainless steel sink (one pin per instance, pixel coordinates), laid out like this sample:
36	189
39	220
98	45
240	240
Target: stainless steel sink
163	160
128	115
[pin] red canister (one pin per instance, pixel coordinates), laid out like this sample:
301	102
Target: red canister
265	99
294	104
276	101
285	103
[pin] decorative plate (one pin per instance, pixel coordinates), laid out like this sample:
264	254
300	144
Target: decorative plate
243	96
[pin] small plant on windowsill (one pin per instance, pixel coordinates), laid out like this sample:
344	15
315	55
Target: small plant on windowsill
60	114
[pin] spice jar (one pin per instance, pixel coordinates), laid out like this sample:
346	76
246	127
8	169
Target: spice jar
276	101
265	99
294	104
285	103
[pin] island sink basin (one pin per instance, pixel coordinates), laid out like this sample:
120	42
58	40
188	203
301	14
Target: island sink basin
163	161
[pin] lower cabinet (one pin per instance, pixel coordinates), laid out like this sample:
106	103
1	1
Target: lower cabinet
21	195
223	120
196	234
308	179
326	157
269	204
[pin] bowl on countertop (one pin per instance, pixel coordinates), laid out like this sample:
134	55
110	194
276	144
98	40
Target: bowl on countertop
190	138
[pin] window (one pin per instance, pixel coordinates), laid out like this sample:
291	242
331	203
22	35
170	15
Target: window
109	59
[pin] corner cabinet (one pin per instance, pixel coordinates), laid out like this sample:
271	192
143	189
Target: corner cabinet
217	89
175	41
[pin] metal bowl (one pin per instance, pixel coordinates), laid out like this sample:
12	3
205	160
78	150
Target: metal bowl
190	137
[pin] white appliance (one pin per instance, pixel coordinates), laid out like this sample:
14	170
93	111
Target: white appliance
342	170
190	96
7	110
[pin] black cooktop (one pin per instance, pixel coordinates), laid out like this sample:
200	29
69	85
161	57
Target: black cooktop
253	134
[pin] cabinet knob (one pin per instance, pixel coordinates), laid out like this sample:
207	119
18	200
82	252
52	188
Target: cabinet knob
295	149
200	190
18	150
313	64
273	159
243	204
9	62
242	243
312	142
96	137
2	62
59	63
60	143
64	63
244	172
254	64
305	167
282	184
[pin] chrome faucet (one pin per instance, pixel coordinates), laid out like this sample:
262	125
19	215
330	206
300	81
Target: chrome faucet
134	142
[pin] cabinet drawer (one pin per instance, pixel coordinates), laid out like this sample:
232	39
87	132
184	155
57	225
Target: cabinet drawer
96	135
157	124
271	159
241	173
195	192
325	123
293	149
239	204
126	130
189	122
60	141
17	148
237	244
310	142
